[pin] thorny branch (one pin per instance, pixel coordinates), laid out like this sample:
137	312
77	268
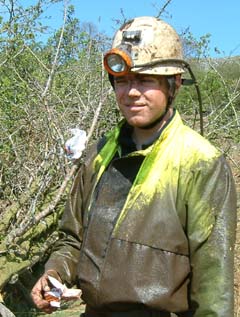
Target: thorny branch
27	224
230	98
54	65
163	8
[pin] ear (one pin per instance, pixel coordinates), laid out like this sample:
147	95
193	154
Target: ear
178	80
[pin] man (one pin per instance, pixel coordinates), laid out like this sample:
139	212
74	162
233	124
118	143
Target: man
150	224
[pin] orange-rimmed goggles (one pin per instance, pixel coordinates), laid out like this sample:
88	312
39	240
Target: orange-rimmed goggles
117	62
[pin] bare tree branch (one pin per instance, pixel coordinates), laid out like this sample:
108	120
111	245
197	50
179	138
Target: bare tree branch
163	8
54	65
27	224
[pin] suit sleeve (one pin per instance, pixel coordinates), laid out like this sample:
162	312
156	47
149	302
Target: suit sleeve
65	256
211	232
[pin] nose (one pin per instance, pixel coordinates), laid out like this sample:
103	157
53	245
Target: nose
133	89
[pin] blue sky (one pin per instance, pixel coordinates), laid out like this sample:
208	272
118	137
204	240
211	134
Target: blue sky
220	18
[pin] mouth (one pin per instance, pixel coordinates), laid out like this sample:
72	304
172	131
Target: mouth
136	106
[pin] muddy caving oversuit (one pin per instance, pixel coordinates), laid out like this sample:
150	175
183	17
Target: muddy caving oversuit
152	231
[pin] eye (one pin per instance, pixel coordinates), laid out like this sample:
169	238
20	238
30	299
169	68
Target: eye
120	81
148	80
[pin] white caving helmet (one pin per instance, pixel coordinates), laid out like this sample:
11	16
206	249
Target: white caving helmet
145	45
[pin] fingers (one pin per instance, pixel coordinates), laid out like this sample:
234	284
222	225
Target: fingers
46	288
38	295
53	274
38	298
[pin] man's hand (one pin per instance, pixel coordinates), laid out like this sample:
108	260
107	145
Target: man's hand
40	290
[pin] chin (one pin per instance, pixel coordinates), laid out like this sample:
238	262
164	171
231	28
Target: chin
137	123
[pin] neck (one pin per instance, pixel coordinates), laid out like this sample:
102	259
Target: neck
143	136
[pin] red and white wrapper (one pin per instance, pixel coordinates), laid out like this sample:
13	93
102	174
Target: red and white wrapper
59	292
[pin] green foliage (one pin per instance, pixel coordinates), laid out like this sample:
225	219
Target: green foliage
194	48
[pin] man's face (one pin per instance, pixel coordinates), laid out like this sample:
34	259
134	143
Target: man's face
141	98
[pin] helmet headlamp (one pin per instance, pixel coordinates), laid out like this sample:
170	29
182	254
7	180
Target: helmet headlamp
117	62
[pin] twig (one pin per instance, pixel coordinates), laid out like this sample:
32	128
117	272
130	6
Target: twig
40	62
226	106
25	226
8	58
163	8
226	89
54	65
